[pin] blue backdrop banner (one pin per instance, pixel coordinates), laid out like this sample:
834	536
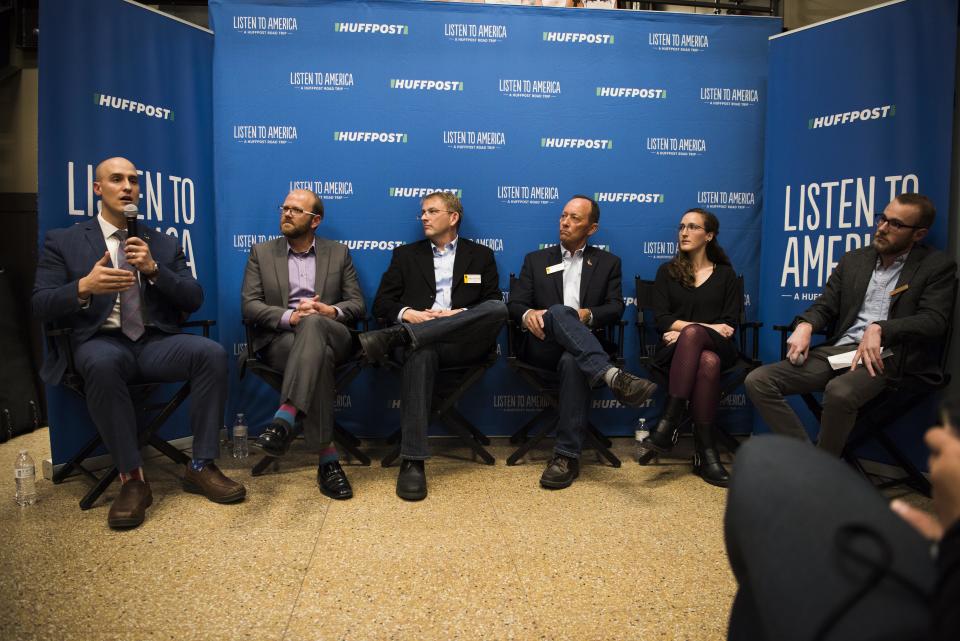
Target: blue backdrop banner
374	104
859	110
119	79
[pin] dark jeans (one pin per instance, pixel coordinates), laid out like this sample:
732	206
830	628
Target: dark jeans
108	362
580	360
460	339
796	563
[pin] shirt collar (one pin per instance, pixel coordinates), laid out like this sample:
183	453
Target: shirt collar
106	227
451	246
899	260
579	252
310	250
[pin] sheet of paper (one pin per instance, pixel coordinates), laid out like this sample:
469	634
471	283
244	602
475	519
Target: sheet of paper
845	360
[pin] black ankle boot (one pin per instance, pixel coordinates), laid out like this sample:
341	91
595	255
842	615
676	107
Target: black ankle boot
706	459
664	435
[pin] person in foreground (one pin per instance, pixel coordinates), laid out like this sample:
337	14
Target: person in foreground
695	300
562	294
819	555
124	298
442	297
302	292
895	294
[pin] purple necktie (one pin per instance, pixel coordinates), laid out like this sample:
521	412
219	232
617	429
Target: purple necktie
131	317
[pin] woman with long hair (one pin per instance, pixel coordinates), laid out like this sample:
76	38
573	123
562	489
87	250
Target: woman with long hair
696	307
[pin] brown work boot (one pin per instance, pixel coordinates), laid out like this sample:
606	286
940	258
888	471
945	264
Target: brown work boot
130	506
211	482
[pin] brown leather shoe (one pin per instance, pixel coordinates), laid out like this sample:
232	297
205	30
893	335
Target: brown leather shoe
211	482
130	506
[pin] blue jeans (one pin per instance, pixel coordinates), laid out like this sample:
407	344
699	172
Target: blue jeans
580	360
443	342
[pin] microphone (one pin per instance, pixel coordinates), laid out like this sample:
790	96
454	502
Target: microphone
130	212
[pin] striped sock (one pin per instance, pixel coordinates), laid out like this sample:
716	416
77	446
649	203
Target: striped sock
198	464
286	414
329	454
131	475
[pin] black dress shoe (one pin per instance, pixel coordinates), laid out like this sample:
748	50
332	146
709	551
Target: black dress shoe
560	472
333	481
275	440
378	344
412	481
632	390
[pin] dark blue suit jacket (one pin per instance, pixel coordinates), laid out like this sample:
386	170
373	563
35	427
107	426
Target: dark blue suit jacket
69	254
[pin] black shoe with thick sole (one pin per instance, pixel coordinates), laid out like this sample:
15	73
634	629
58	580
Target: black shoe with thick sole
412	481
560	472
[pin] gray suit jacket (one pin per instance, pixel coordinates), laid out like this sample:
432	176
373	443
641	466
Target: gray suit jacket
919	315
266	286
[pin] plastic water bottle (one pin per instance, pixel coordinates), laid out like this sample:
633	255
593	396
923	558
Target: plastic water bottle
25	473
240	449
638	436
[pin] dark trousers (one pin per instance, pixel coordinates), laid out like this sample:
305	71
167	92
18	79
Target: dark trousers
460	339
844	393
308	357
108	362
580	361
795	562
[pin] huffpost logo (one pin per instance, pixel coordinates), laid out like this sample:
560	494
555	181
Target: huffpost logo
426	85
133	106
421	192
372	27
578	38
850	117
370	136
631	92
576	143
626	197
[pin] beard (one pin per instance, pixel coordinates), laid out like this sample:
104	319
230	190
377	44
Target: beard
295	231
887	246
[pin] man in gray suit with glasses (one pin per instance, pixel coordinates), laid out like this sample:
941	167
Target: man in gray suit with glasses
302	293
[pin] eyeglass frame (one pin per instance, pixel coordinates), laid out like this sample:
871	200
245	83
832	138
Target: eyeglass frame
296	211
895	223
433	213
690	226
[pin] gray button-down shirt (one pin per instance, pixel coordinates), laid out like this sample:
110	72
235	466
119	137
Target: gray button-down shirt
876	302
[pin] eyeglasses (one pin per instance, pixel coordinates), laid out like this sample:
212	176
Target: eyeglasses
689	227
896	224
295	211
432	213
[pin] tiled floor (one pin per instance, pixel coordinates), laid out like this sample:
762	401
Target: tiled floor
630	553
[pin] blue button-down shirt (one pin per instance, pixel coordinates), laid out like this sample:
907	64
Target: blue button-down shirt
876	302
443	272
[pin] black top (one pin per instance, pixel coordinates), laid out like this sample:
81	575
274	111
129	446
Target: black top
945	613
714	301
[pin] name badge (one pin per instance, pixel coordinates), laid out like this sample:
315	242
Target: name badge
559	267
471	279
899	290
